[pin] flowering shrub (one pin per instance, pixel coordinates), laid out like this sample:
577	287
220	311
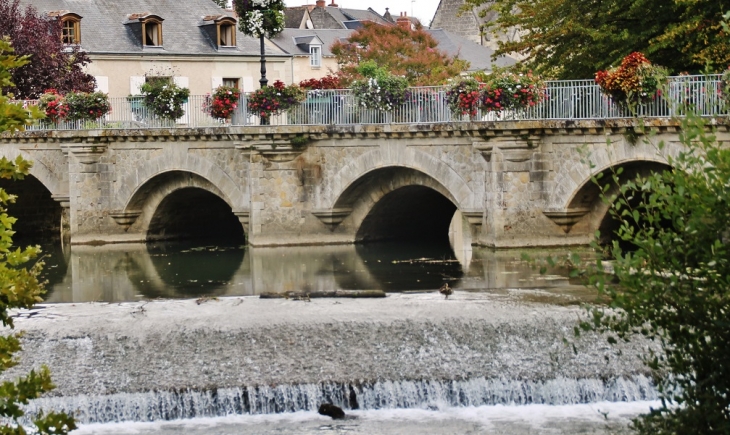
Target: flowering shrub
327	82
164	98
87	106
636	81
464	97
222	103
276	99
508	90
385	93
53	105
260	17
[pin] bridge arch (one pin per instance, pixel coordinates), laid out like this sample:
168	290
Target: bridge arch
397	202
179	204
588	196
40	171
131	185
569	182
451	183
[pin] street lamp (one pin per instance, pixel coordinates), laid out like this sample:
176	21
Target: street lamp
260	19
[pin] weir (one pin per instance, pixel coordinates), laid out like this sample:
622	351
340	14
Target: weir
178	359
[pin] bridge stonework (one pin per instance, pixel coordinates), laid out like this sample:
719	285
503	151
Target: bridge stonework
517	184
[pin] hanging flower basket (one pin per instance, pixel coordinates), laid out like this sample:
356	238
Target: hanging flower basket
222	102
87	106
274	100
260	17
636	81
165	99
53	105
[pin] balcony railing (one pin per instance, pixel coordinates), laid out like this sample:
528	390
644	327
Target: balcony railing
564	99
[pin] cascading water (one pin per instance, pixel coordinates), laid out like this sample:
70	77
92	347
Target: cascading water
429	394
172	360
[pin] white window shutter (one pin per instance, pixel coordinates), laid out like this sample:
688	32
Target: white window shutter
248	84
183	82
135	85
102	84
215	82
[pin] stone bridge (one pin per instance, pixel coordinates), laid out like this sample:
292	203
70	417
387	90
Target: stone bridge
506	184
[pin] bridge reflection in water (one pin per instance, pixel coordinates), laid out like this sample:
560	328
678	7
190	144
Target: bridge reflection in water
133	272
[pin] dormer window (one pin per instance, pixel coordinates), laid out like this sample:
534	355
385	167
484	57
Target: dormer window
221	29
226	32
313	45
315	56
70	26
149	27
152	31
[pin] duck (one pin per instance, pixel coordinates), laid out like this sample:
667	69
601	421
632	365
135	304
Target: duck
446	290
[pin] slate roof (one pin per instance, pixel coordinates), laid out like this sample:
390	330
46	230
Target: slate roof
103	29
479	57
287	40
293	17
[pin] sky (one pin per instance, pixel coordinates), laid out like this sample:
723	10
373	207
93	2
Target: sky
421	9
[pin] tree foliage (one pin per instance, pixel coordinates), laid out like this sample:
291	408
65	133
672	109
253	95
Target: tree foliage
413	54
52	65
13	116
19	285
575	38
673	286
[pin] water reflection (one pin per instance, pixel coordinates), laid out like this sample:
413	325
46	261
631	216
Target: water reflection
115	273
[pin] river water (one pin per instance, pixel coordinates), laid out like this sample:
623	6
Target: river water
121	273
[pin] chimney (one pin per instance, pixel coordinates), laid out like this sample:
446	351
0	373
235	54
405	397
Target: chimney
333	5
320	3
403	21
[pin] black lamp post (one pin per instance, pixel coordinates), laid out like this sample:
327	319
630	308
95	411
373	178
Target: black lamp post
263	81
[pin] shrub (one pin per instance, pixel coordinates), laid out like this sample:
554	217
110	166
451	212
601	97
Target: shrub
223	102
327	82
274	100
87	106
164	98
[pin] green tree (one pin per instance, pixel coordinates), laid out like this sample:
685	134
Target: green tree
576	38
413	54
672	283
19	285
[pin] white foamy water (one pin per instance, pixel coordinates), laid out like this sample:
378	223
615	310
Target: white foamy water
596	419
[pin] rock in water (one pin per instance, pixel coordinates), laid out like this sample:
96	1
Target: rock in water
331	410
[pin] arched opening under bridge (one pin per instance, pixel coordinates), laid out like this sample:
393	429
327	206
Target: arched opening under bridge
589	196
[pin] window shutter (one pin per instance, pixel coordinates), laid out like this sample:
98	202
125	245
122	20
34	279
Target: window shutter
135	85
102	84
215	82
248	84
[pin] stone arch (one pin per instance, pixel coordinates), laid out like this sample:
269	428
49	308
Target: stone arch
586	199
449	180
40	171
153	193
130	185
394	201
568	184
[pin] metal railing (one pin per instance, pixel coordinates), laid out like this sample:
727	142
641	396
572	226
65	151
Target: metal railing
564	99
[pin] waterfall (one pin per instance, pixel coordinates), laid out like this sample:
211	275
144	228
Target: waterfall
424	394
